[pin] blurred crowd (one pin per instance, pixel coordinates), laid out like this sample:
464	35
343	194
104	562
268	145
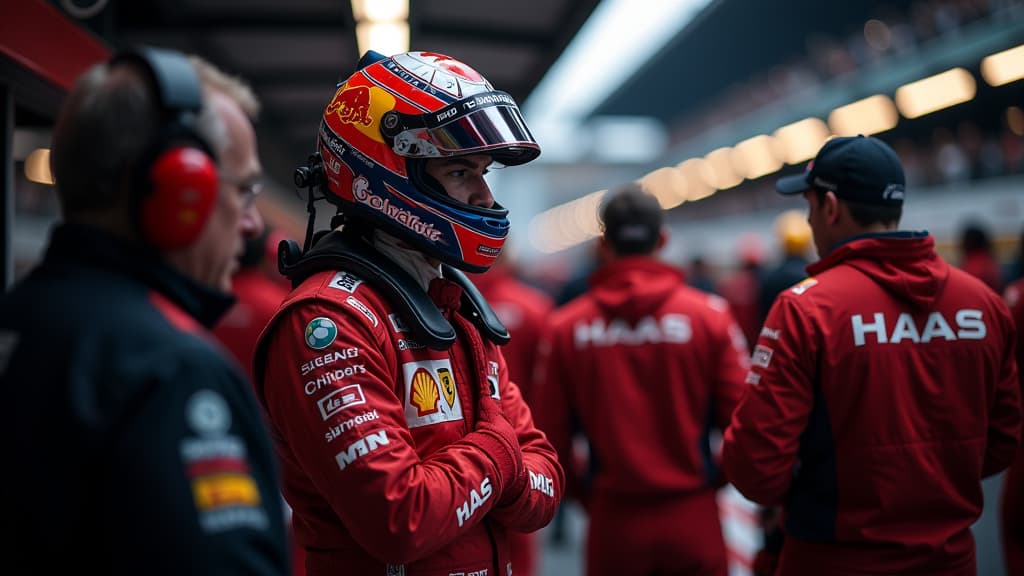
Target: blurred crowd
825	59
945	154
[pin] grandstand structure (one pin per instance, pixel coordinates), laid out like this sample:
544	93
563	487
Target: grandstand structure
749	90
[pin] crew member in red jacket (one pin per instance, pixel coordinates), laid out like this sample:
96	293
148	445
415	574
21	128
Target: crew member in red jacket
884	387
405	447
1012	506
524	310
649	366
258	297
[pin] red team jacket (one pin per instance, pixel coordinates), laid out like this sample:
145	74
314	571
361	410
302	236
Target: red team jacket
1013	483
647	409
257	300
524	310
382	464
884	390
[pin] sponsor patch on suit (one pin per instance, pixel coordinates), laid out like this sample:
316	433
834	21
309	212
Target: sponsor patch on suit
225	493
431	395
762	356
345	281
492	379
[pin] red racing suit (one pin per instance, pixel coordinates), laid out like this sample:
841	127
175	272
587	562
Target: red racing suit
257	298
391	463
1012	506
524	311
884	389
649	367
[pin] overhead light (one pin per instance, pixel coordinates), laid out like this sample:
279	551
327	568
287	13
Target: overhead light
547	232
1004	67
754	157
570	232
540	231
698	174
587	212
869	116
382	25
37	166
567	225
600	57
385	37
800	141
935	93
722	175
380	10
667	185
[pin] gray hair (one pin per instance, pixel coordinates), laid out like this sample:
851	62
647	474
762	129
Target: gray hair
209	125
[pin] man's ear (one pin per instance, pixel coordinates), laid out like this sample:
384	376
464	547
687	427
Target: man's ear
830	208
605	253
662	239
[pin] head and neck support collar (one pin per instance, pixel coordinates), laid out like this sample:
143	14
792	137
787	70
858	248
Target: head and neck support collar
350	251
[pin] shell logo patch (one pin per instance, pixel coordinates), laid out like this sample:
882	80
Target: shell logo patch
431	395
424	393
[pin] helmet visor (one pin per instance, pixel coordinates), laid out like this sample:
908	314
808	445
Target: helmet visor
487	123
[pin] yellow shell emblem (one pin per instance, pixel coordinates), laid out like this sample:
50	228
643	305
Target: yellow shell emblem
424	392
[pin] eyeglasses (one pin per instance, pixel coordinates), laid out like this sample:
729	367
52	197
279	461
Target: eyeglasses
248	190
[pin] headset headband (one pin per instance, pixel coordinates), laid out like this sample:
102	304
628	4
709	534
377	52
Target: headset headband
176	86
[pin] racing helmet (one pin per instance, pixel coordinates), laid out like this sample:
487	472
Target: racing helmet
391	116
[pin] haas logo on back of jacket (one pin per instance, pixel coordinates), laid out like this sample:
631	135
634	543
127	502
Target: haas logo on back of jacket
674	328
882	330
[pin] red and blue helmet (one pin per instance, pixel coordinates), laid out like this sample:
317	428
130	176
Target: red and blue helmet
391	116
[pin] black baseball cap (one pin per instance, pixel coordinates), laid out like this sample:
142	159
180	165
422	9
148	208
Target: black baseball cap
857	168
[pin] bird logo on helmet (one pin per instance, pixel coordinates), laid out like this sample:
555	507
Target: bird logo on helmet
392	115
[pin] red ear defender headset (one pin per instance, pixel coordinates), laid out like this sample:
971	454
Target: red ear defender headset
176	177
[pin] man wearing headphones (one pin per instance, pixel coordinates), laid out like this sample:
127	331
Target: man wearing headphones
405	446
133	444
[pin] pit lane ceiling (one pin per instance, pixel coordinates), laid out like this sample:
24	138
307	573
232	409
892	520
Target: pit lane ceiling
730	42
293	51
